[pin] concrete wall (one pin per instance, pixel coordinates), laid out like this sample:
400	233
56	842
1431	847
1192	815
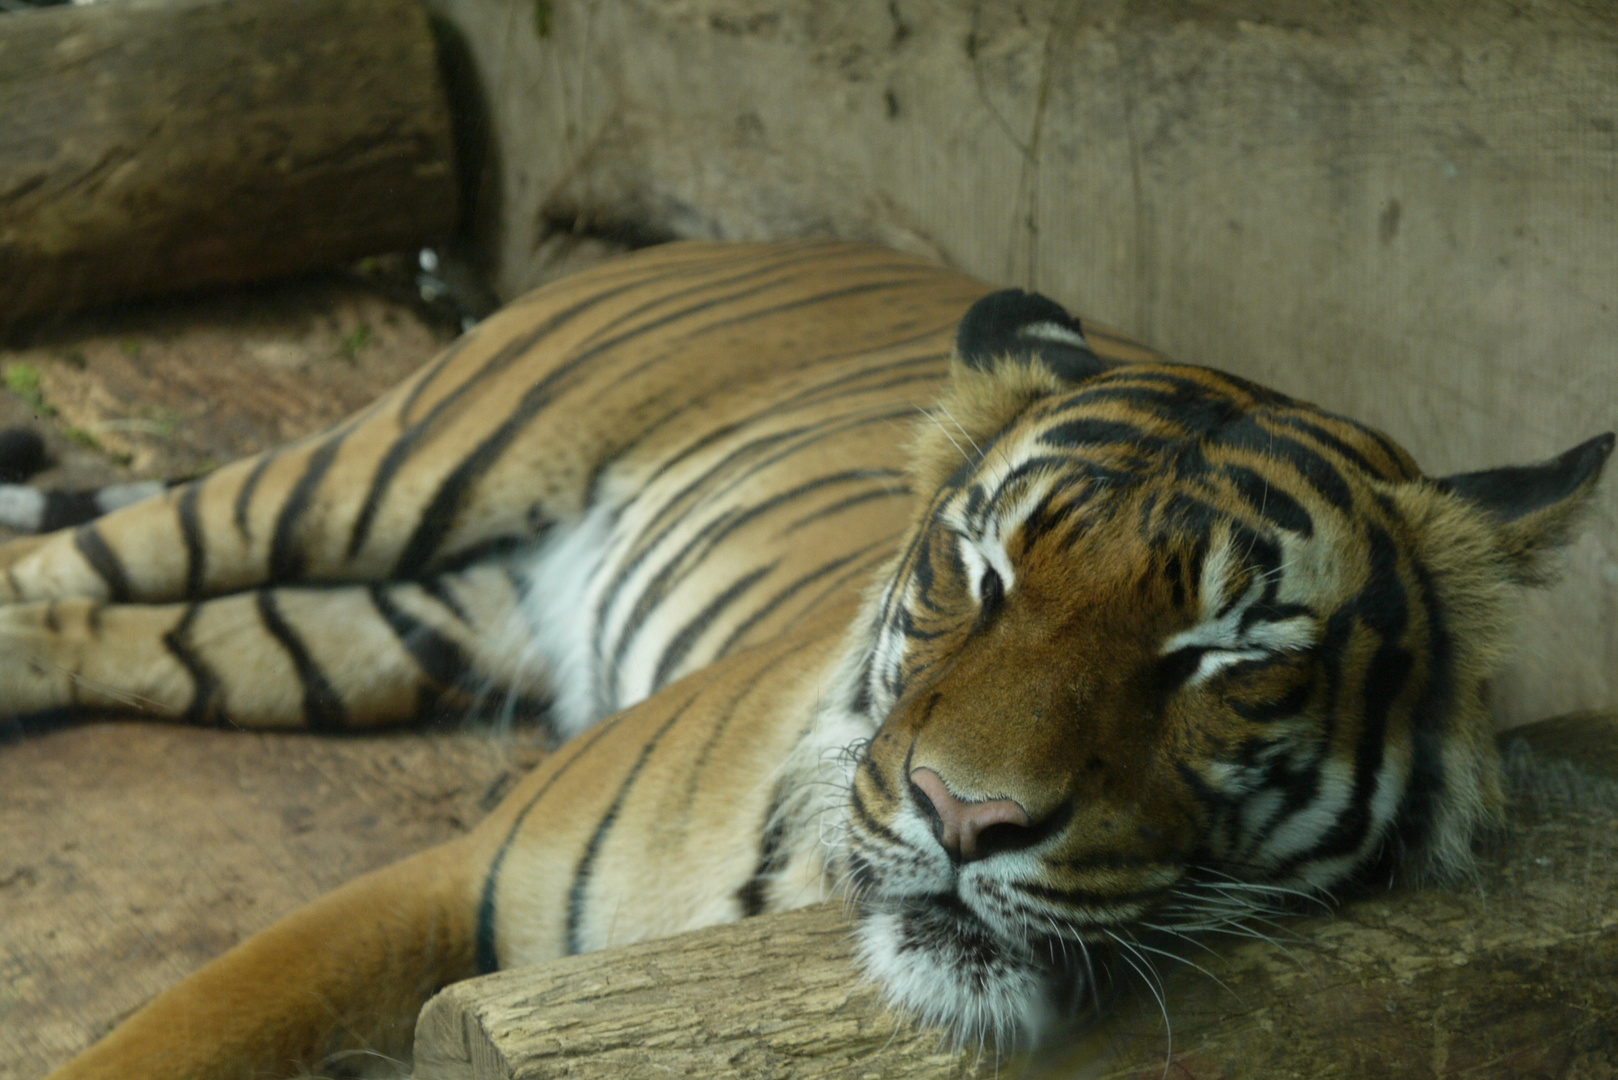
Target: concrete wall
1406	211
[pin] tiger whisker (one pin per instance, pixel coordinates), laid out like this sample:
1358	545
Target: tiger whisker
1154	984
933	416
943	408
1183	960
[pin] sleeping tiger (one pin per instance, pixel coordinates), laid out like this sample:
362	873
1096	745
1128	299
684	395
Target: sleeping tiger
835	569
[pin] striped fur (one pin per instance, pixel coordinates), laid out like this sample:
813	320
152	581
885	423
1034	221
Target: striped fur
1171	628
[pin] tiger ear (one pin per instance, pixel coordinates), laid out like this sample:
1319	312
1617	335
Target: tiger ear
1533	508
1026	329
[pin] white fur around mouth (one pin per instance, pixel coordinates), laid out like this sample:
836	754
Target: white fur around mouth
941	962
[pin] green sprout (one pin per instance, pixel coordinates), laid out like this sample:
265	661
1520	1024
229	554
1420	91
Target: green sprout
23	380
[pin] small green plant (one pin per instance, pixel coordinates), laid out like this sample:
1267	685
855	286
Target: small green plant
130	347
349	348
23	380
82	437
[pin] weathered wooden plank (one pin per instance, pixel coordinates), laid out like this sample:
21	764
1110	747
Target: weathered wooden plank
774	996
155	145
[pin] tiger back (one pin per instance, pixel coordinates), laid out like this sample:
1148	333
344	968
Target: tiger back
1027	638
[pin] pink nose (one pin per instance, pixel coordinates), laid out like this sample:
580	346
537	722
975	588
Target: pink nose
959	824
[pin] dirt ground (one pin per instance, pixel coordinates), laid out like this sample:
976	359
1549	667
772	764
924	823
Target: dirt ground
129	852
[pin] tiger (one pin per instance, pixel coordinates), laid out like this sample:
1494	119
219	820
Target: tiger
834	572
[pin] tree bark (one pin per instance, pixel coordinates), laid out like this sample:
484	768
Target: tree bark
156	145
1511	975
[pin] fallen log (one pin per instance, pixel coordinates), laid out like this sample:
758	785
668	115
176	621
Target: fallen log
155	145
1510	975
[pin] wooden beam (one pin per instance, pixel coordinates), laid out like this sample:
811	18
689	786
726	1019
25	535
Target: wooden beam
155	145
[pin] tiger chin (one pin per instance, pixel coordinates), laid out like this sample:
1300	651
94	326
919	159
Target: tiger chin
1113	645
1163	647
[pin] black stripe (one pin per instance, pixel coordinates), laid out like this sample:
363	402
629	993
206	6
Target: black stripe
753	896
1383	608
676	568
322	708
1248	434
836	389
615	286
287	557
1338	446
1429	722
1089	431
439	658
437	587
196	556
64	509
868	823
439	516
581	875
1268	500
1267	712
103	561
766	609
696	774
244	495
204	683
838	507
1396	457
683	641
667	518
1191	406
1088	898
488	958
792	305
494	549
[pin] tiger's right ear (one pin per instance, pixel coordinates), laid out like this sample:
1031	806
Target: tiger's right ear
1026	329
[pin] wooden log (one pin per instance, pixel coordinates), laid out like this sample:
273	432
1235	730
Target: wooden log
774	996
1511	975
156	145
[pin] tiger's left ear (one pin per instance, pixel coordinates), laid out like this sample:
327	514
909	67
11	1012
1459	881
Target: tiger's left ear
1028	329
1533	508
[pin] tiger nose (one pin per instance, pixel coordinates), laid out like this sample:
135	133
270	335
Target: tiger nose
959	825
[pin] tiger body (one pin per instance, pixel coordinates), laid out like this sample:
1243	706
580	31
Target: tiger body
1023	675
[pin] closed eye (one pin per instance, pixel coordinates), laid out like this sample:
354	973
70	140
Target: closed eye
1198	654
985	577
991	594
1196	664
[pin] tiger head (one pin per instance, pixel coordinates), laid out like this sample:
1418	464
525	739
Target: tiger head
1160	640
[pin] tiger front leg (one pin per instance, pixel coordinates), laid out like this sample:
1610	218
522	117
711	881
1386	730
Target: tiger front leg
298	657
